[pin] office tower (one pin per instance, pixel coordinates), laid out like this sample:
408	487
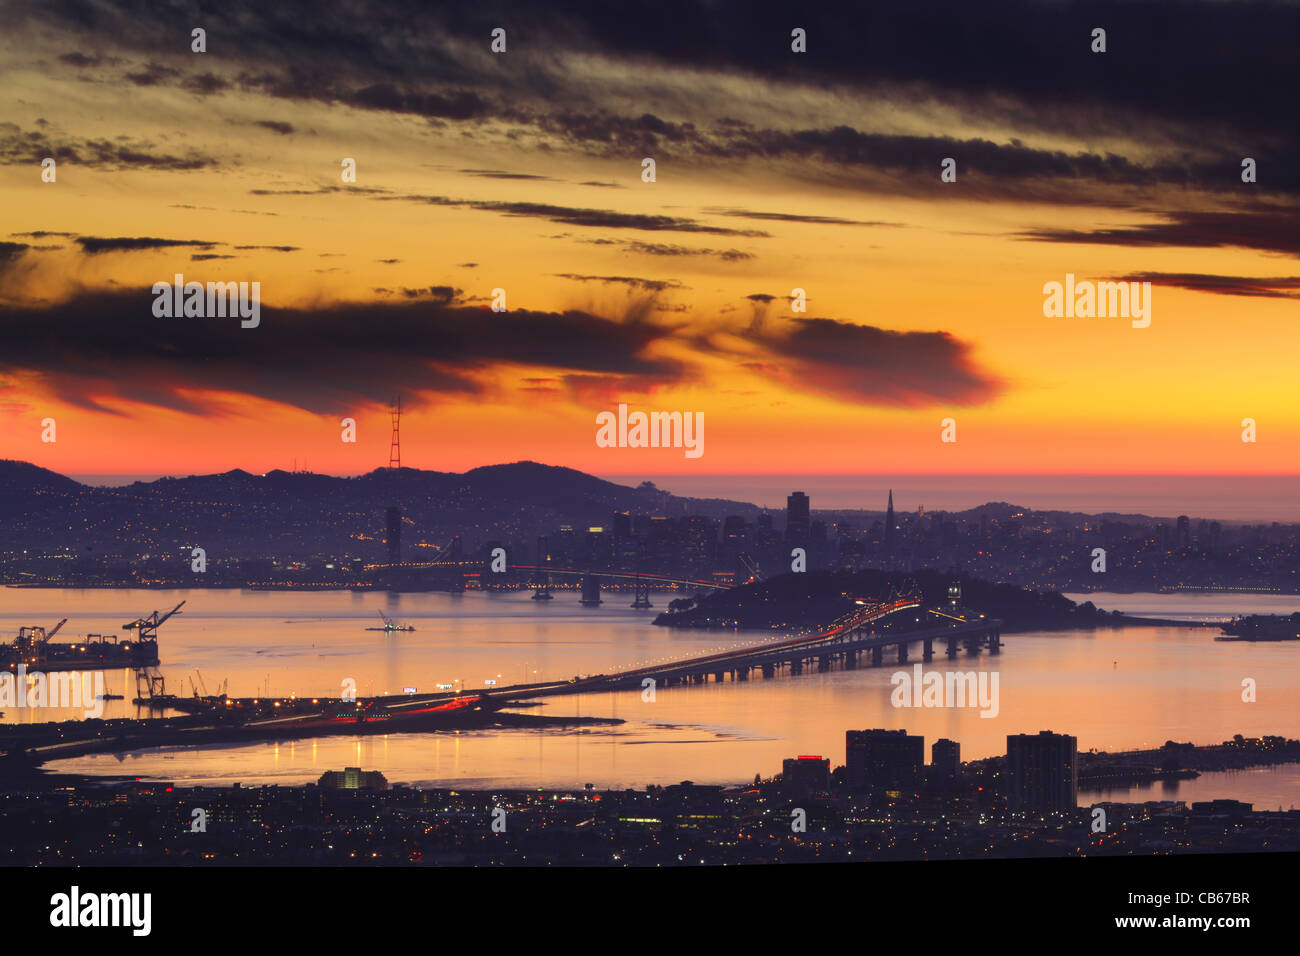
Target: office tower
883	758
765	521
945	757
353	778
796	516
622	525
889	524
394	535
806	773
1184	531
1042	772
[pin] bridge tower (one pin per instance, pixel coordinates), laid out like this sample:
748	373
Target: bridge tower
590	590
543	592
642	599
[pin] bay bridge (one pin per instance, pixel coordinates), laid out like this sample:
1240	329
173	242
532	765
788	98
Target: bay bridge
456	572
860	637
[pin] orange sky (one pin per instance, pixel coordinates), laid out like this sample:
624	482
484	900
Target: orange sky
1090	396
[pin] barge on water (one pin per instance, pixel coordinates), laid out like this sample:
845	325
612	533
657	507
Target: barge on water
35	649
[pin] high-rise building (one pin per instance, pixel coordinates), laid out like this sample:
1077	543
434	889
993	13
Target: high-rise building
1042	772
806	773
394	535
796	516
353	778
883	758
945	757
889	524
1184	531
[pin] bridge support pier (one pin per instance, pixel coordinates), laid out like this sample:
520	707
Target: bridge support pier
719	677
995	641
929	650
823	664
850	660
769	670
740	673
902	652
877	656
952	647
796	667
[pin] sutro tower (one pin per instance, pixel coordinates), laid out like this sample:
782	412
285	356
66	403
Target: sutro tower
395	447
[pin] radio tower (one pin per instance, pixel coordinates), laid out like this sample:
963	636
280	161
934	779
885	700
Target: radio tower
395	447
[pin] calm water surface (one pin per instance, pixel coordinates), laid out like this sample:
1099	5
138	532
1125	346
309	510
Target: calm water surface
1113	689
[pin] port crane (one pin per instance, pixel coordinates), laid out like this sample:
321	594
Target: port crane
148	626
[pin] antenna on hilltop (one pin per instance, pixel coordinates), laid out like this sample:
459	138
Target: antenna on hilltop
395	447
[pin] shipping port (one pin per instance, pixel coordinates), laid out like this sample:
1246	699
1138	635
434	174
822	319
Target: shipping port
35	650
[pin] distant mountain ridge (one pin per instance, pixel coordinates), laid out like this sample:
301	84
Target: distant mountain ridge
295	513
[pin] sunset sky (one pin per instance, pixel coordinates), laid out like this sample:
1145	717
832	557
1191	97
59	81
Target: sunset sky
775	170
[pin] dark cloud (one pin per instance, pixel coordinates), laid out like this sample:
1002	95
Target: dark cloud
649	285
80	59
205	84
152	75
1285	287
441	294
44	234
600	218
1017	65
111	345
94	245
273	248
276	126
12	250
204	257
793	217
869	365
19	146
1270	230
500	174
669	249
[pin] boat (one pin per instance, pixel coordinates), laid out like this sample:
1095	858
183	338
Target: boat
390	625
35	651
